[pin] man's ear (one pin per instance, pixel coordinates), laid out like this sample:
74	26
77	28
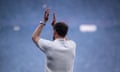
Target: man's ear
55	32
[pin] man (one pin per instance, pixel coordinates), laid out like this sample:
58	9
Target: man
60	52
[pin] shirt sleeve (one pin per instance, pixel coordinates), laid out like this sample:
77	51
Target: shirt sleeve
44	44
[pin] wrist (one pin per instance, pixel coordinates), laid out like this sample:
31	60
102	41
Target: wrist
43	22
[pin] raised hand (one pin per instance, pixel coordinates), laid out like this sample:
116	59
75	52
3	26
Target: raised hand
54	19
46	14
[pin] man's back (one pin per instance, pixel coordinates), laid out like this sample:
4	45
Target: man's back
59	54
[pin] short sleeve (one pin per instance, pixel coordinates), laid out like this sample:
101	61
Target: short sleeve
44	44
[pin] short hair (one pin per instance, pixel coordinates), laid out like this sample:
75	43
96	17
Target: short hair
61	28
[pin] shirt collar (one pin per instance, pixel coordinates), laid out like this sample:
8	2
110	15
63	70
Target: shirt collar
60	39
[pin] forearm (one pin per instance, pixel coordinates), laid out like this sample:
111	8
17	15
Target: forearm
37	32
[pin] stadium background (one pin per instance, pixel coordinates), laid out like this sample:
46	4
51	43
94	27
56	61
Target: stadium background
97	50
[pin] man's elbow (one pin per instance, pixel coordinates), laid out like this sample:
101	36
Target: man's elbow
35	39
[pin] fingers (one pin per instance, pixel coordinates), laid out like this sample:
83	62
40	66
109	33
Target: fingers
54	19
47	12
46	15
54	16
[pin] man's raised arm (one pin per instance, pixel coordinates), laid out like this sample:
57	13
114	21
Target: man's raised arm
54	20
38	30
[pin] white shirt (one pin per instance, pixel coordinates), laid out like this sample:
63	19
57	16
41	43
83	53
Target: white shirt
60	54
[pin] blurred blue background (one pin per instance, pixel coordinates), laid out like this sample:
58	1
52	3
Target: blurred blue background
97	51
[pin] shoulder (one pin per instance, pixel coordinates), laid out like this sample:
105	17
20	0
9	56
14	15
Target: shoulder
73	43
44	40
45	43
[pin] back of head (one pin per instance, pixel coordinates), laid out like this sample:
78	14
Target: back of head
61	28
